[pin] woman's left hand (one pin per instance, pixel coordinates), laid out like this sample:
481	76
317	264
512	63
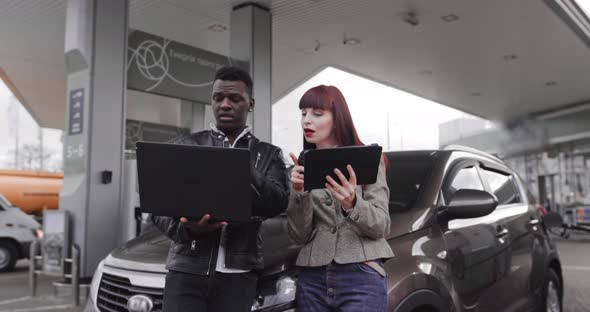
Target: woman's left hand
344	191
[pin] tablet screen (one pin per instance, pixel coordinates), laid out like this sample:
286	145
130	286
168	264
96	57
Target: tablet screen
319	163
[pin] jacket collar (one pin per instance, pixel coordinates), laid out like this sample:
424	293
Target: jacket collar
245	132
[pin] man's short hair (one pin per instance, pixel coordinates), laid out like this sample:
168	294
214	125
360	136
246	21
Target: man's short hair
232	73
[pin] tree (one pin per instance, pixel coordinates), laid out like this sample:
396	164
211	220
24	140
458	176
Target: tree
30	158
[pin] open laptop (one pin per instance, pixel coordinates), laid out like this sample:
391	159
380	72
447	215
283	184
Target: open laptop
191	181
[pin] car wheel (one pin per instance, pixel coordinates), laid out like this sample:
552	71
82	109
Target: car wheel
551	300
8	255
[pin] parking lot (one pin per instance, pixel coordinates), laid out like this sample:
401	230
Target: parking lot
575	257
15	293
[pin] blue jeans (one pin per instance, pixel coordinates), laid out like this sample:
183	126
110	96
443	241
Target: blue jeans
353	287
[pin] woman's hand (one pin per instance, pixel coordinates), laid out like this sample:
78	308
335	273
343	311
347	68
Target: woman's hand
345	191
296	175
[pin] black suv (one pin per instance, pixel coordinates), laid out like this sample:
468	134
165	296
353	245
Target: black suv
464	234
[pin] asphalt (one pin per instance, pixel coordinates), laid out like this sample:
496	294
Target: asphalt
15	294
575	262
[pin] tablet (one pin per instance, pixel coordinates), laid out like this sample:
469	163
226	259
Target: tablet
319	163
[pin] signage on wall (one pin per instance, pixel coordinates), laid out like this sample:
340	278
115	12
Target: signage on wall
76	120
151	132
165	67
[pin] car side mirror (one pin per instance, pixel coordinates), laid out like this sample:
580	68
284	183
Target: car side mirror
553	220
466	204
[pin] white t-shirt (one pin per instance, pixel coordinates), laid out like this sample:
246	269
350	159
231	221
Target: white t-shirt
220	265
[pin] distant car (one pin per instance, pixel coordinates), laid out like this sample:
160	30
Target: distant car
464	234
17	231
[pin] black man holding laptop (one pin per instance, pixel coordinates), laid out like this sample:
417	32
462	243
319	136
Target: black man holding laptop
211	259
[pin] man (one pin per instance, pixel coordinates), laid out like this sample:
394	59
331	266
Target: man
210	263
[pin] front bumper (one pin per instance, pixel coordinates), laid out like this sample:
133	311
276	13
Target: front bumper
25	250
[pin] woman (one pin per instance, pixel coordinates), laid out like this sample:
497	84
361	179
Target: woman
343	226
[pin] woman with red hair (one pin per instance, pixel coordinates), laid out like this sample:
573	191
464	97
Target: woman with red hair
343	226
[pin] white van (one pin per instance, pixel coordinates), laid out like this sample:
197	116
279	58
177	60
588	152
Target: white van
17	231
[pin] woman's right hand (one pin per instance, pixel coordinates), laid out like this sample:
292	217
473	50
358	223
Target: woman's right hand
296	175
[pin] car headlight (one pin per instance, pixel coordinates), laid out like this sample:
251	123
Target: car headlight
276	295
94	285
37	233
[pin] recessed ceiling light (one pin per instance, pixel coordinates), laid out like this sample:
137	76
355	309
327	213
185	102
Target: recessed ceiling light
550	83
351	41
510	57
217	27
450	18
476	94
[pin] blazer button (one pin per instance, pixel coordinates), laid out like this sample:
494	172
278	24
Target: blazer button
334	229
328	202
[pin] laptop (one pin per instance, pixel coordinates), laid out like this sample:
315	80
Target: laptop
191	181
319	163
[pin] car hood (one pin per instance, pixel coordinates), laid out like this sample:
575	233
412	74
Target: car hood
19	218
148	251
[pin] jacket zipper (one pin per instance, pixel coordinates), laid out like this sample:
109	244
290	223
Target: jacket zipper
225	143
210	258
257	160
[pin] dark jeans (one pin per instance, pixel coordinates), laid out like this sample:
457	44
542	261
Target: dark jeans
353	287
200	293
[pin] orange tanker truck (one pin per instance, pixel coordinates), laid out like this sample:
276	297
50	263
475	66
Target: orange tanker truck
31	191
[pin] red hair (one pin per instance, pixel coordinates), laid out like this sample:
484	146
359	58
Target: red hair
331	99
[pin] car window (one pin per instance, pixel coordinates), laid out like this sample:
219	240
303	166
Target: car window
502	186
4	203
406	176
466	178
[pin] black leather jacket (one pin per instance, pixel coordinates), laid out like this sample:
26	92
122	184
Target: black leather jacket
243	245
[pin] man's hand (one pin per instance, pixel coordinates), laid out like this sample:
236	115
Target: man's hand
202	226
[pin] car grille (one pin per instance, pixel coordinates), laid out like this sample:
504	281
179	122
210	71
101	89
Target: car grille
114	291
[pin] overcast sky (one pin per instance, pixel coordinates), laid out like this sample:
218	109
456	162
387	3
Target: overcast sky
28	131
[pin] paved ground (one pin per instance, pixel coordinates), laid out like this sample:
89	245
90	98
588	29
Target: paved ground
15	293
575	258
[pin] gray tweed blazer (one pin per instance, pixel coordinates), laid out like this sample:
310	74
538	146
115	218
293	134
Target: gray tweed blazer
315	219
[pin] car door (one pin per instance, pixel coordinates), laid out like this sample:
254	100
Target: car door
475	247
521	222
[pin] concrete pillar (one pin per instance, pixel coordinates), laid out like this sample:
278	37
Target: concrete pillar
192	116
95	51
251	41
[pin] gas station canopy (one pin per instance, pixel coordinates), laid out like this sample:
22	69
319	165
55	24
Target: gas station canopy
500	60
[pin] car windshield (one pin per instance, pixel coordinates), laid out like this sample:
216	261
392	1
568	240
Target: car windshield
4	203
406	175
